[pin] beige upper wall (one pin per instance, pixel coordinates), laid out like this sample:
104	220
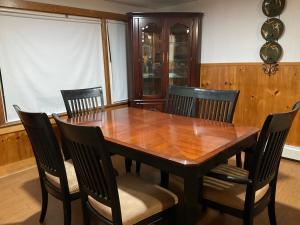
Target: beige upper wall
231	29
95	5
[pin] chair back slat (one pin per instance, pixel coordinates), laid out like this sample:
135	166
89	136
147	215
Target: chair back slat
270	146
92	162
181	101
43	140
80	101
218	105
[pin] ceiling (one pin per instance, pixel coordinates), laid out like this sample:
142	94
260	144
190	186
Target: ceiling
152	4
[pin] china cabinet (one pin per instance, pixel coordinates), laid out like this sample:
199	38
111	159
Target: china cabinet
164	50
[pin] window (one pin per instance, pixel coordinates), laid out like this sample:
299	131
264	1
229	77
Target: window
40	54
118	60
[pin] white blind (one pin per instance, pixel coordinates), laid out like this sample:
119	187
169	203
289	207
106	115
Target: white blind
42	54
118	61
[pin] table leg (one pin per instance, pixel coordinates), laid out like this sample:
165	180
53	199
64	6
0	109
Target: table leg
128	163
191	196
164	179
249	157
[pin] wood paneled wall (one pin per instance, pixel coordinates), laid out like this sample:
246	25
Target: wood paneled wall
14	147
260	94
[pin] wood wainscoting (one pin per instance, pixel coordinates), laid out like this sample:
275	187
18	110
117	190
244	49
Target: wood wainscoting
260	94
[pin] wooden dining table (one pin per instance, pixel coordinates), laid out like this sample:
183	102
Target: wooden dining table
184	146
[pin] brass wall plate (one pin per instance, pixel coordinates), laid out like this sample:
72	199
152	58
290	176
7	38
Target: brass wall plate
271	52
272	29
272	8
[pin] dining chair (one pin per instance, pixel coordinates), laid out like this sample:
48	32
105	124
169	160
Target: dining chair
80	101
125	199
217	105
180	101
57	177
245	193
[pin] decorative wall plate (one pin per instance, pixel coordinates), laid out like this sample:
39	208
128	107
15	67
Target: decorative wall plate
271	52
272	29
272	8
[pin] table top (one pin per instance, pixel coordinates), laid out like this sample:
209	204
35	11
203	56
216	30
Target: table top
181	139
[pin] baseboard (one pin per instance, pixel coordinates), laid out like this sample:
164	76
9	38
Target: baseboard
291	152
17	167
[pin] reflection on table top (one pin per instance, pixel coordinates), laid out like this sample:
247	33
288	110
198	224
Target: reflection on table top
181	139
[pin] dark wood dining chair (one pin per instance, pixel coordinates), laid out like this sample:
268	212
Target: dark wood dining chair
125	199
217	105
57	177
245	193
180	101
80	101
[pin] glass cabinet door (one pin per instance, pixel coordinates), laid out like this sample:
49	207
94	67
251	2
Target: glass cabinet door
151	59
179	54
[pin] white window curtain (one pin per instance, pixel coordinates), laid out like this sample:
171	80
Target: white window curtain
40	54
118	60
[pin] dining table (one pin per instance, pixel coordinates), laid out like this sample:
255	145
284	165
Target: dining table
183	146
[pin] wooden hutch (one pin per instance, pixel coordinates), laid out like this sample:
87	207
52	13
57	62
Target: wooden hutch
164	49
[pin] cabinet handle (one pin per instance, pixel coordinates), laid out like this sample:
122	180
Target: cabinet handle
163	55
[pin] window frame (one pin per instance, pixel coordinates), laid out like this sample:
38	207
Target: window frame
72	11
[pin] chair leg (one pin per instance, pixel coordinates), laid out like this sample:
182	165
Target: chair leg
86	218
164	179
128	163
174	218
239	160
67	212
248	221
44	204
138	167
272	212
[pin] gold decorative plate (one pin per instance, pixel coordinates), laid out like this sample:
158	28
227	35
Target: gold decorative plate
271	52
272	29
272	8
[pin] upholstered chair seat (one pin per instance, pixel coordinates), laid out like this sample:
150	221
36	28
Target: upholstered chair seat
229	193
139	200
71	176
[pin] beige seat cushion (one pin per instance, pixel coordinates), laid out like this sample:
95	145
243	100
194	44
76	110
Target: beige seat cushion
71	176
227	193
139	199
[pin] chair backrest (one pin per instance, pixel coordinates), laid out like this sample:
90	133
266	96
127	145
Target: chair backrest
181	101
270	146
296	106
80	101
44	143
218	105
92	163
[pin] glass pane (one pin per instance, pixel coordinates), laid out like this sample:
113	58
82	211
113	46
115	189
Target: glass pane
179	55
151	59
118	60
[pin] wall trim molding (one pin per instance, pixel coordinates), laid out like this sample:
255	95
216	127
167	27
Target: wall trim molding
58	9
291	152
247	64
